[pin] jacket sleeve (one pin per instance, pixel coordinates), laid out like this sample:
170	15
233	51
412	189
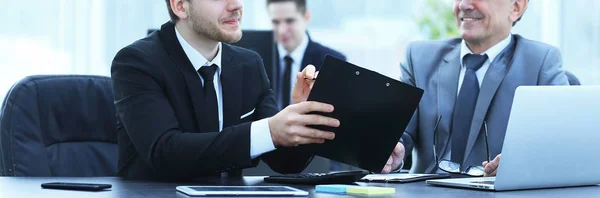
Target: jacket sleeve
551	72
410	134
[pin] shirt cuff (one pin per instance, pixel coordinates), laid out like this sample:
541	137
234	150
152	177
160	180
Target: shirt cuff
260	138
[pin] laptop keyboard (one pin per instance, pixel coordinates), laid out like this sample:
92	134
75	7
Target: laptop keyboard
483	182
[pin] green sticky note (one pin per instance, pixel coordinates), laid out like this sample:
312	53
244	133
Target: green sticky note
370	190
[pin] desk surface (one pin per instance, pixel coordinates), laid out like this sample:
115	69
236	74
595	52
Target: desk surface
21	187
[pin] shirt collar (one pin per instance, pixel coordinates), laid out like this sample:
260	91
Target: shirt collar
298	53
492	53
195	57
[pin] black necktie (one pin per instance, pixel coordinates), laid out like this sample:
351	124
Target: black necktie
210	97
287	81
465	106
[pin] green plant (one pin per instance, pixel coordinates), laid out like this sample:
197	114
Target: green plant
437	20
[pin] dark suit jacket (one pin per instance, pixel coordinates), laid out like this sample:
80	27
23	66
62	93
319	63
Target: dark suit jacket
159	102
315	54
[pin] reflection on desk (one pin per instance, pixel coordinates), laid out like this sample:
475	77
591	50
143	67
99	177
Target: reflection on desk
30	187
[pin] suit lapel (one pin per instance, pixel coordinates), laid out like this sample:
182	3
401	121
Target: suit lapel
448	74
492	80
308	55
275	70
447	85
194	85
231	81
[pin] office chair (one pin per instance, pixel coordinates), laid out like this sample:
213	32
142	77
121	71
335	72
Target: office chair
572	78
59	125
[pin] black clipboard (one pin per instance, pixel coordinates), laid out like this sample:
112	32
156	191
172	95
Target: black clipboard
373	110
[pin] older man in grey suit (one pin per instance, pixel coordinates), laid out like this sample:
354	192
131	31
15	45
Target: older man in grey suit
470	82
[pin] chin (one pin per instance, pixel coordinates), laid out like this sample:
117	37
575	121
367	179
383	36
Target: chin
467	35
288	45
232	37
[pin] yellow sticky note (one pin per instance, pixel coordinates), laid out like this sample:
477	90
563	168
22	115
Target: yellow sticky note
370	190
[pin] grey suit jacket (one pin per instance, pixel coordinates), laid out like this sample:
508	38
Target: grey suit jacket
434	66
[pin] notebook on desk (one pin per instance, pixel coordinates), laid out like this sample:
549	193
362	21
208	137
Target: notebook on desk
373	110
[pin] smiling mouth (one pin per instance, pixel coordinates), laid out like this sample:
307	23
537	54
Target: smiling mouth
232	21
469	19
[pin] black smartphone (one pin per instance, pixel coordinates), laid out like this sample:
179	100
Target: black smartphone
76	186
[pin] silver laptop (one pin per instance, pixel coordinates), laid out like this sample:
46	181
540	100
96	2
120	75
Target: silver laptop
552	140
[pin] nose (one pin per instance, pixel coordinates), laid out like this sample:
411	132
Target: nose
234	5
282	28
465	5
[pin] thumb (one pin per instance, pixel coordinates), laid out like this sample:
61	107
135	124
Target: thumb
309	72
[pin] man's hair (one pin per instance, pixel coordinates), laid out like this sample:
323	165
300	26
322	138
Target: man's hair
174	18
300	4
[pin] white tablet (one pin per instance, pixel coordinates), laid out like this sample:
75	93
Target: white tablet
241	191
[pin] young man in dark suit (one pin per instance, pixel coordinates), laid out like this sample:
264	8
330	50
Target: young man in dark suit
295	48
189	105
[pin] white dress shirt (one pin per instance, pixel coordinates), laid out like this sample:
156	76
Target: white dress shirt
492	53
260	134
297	55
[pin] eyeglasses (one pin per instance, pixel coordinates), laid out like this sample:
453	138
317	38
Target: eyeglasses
453	167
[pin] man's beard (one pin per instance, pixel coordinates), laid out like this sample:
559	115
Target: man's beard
211	30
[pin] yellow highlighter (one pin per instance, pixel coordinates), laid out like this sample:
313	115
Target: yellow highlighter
369	190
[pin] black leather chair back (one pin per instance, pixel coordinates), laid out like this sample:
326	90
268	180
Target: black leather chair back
59	125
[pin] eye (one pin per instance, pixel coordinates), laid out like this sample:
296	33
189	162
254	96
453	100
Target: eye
290	21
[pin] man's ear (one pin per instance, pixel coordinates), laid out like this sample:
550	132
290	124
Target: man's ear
307	15
518	8
179	8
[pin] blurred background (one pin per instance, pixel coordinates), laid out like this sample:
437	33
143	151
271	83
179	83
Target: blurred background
82	36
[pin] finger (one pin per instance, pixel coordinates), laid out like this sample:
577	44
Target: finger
309	72
310	81
491	167
390	161
396	163
399	150
398	155
308	132
484	163
314	119
386	169
312	106
397	159
497	158
494	173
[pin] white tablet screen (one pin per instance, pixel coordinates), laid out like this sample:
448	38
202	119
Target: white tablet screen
241	190
238	188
